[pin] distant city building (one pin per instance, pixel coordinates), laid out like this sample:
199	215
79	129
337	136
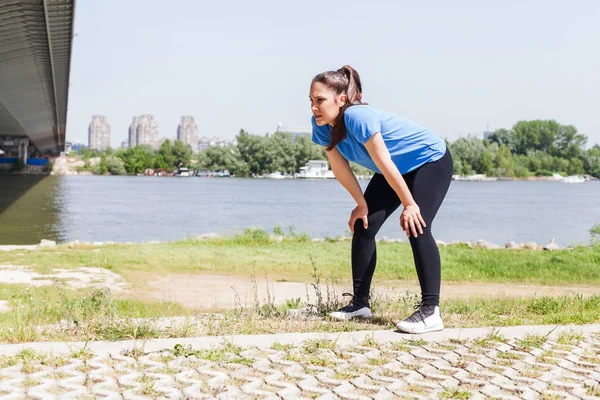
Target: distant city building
125	144
487	132
187	132
206	142
77	146
99	133
143	130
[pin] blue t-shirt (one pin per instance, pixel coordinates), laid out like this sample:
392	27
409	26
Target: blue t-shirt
409	144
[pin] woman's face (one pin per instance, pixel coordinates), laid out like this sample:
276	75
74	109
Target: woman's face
325	103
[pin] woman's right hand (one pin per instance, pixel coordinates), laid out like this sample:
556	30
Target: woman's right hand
360	212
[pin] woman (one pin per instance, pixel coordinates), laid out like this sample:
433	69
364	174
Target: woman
412	167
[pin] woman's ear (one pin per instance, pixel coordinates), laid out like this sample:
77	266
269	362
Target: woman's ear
342	100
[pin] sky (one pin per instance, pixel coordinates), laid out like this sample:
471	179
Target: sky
453	67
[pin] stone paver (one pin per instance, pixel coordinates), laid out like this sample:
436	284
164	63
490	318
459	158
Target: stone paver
532	363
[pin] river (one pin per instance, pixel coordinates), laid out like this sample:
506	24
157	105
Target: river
139	209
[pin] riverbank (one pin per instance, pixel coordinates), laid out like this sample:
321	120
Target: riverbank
295	257
255	284
73	165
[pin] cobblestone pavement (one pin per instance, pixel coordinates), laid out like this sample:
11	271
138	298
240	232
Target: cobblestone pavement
565	365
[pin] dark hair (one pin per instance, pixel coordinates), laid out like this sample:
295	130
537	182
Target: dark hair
344	80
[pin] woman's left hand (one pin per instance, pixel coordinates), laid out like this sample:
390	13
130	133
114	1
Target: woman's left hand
411	220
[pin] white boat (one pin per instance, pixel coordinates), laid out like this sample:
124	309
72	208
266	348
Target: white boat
183	172
315	169
275	175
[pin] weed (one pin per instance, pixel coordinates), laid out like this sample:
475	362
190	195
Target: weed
454	394
570	337
531	341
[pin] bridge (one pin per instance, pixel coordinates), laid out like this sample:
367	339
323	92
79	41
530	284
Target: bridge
36	38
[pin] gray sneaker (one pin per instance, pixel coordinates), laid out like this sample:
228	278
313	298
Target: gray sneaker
355	309
423	320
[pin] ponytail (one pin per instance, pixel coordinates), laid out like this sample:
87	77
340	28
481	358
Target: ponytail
344	80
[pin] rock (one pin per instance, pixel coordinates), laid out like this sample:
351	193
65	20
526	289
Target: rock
318	240
4	306
552	246
459	243
99	244
277	239
208	236
486	245
73	244
384	239
441	243
530	246
47	243
301	313
94	161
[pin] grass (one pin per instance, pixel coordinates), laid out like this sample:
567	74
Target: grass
292	259
97	315
76	315
84	315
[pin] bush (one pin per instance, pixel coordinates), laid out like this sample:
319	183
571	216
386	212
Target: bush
543	172
595	234
115	166
252	236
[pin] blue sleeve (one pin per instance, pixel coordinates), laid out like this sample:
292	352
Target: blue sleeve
362	123
320	134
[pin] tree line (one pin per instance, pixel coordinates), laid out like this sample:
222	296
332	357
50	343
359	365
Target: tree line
529	148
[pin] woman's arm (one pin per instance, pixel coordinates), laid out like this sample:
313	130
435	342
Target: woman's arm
344	174
411	216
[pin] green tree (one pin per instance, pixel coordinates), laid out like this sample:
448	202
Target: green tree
503	137
217	157
115	166
505	164
471	151
137	159
102	167
575	167
251	150
305	150
569	144
591	161
165	158
182	153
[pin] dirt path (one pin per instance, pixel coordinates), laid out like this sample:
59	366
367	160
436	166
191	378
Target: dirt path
214	292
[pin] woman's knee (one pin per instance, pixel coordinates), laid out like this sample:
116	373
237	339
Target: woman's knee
370	232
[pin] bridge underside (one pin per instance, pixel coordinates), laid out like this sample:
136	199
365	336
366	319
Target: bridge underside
36	39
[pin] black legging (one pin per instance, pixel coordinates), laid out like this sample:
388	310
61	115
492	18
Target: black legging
428	185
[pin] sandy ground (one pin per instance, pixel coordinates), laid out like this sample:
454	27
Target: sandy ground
206	292
218	292
92	277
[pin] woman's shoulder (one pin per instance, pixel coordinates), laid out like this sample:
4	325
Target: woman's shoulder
359	111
